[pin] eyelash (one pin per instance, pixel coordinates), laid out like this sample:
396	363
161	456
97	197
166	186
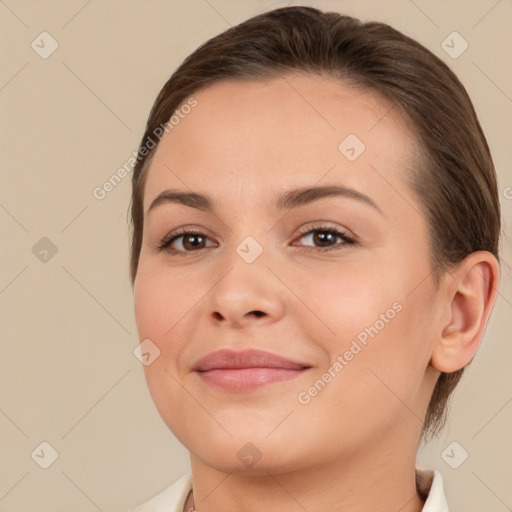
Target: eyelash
169	239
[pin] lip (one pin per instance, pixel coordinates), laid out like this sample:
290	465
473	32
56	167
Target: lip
246	370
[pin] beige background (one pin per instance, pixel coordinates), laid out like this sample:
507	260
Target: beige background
69	376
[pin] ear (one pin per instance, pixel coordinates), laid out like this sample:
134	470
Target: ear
469	295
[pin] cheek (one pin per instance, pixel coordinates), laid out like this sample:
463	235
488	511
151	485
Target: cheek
150	305
387	374
377	324
158	311
160	314
167	308
161	303
347	299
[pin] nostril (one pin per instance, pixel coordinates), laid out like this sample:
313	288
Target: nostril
258	313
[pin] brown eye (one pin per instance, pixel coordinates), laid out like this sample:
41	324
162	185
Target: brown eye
326	238
192	241
186	241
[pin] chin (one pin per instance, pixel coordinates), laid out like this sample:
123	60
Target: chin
244	459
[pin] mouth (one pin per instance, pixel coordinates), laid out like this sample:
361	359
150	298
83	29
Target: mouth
246	370
246	379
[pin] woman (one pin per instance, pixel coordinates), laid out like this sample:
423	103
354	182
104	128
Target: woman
314	260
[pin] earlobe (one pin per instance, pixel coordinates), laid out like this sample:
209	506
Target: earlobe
470	293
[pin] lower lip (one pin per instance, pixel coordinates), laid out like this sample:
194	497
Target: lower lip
246	379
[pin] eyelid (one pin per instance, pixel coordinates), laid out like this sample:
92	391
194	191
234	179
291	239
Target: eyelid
325	226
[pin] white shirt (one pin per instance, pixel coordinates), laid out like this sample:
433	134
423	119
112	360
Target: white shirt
173	498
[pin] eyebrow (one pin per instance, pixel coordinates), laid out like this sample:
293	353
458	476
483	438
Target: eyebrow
286	201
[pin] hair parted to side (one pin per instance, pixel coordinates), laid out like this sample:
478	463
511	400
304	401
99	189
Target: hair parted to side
455	180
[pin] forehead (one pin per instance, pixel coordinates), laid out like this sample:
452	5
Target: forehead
278	134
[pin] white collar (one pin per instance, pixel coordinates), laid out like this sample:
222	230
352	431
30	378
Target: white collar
431	482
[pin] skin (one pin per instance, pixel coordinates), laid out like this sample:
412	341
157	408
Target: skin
353	446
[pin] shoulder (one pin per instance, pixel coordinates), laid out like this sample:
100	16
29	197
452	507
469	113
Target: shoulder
171	499
430	483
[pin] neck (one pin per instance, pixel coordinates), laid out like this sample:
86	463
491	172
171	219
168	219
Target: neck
381	479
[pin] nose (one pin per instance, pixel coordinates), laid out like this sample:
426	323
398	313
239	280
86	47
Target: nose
256	313
246	294
232	319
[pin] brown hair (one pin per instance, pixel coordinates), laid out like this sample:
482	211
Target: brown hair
456	181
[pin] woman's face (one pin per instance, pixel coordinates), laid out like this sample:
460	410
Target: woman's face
361	318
